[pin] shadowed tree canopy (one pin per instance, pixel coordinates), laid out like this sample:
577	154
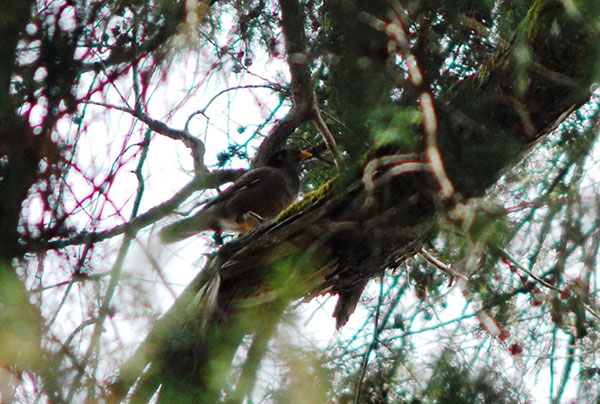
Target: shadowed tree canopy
453	141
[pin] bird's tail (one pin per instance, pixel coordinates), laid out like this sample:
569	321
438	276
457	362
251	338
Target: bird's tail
185	228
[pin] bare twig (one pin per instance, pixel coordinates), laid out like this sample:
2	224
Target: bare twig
214	179
505	255
195	144
202	111
376	331
328	138
566	372
94	347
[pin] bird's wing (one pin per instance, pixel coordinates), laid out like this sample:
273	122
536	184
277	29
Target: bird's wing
216	212
265	198
250	179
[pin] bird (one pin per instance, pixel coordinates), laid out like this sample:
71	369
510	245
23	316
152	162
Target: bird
259	194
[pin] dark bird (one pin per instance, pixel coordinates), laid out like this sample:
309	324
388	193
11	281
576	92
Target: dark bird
259	194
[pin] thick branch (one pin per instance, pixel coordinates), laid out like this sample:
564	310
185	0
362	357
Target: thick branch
304	107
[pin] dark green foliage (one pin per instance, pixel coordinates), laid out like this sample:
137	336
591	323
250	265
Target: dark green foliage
457	384
360	76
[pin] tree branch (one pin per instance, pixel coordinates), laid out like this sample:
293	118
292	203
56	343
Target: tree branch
212	180
304	106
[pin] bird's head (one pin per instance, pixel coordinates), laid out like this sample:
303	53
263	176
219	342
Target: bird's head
288	157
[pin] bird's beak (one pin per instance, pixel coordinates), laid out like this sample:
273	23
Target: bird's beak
305	154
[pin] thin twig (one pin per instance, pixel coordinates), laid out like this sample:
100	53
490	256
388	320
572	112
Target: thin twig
376	330
94	347
503	254
199	182
195	144
202	111
567	371
328	138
